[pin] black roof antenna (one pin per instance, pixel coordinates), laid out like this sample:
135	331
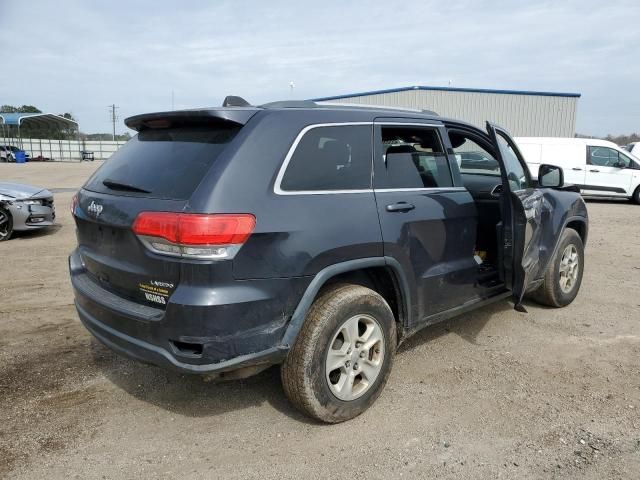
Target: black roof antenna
234	101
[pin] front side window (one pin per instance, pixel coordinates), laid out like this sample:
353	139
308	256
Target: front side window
602	156
414	158
472	158
624	161
607	157
331	158
517	176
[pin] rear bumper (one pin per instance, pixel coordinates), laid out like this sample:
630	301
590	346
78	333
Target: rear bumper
242	327
145	352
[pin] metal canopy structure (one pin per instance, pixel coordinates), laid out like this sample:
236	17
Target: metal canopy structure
11	123
39	119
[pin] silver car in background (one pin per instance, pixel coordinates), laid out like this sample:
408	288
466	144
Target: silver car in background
24	207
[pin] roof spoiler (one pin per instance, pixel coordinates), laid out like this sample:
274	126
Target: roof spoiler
180	118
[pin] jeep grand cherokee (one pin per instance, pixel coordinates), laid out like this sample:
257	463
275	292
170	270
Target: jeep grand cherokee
226	240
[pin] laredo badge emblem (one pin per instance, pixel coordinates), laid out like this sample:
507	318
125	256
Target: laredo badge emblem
156	291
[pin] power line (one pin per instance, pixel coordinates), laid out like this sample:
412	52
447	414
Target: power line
114	118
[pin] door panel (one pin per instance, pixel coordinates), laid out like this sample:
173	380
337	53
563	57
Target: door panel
430	230
434	243
525	208
607	181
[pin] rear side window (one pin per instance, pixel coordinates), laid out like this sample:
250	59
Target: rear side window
414	158
163	163
331	158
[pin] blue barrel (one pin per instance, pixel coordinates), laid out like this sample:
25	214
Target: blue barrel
21	157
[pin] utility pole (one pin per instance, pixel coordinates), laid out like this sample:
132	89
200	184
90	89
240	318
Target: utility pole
114	118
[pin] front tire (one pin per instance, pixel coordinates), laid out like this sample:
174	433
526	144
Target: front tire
564	275
343	355
6	225
635	198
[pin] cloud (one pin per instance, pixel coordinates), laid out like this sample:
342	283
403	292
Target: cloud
83	56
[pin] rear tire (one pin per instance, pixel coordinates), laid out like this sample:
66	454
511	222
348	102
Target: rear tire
6	225
564	275
351	328
635	198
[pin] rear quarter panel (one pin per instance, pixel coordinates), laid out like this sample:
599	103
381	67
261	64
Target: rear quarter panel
295	235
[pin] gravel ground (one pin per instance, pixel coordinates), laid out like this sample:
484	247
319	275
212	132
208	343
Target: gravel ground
493	394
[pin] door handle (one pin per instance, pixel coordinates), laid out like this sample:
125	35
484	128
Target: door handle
577	169
400	207
595	171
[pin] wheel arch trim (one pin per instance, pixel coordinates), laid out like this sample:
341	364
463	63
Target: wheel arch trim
585	226
324	275
575	218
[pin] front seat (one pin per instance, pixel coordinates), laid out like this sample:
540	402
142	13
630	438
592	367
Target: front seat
401	167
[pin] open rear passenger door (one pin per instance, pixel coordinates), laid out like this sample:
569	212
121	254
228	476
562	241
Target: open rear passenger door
522	212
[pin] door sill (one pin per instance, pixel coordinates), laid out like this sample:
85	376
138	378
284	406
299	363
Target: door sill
494	295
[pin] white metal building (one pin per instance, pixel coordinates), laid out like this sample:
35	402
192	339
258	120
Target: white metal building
522	113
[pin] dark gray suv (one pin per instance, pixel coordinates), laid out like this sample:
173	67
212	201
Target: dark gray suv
226	240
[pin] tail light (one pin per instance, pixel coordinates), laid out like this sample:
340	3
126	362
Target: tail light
74	203
194	235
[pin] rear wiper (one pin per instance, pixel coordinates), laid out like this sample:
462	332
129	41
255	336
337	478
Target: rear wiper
113	185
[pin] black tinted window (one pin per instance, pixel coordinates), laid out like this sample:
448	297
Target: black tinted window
414	158
167	163
472	157
331	158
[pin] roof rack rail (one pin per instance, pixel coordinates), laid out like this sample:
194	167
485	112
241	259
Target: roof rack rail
376	107
368	106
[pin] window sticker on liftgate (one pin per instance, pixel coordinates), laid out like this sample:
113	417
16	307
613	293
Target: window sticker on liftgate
156	291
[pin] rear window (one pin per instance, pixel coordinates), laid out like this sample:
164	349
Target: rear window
163	163
331	158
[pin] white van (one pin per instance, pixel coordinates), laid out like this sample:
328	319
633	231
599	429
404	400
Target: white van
597	167
634	148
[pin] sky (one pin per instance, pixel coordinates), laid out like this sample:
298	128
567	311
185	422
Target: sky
81	56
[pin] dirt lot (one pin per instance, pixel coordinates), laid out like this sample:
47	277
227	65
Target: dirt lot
495	394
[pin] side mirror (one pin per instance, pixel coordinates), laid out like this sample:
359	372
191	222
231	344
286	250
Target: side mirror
620	165
550	176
